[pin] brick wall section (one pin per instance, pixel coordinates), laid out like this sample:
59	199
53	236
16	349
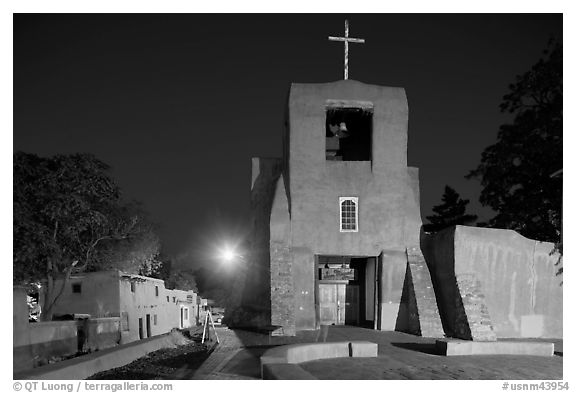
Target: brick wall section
429	317
282	289
457	325
474	306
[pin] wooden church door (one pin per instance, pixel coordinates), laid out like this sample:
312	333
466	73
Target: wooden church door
352	304
339	304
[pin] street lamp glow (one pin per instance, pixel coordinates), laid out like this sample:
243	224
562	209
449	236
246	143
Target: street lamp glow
228	255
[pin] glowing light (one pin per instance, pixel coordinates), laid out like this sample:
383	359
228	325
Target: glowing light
228	255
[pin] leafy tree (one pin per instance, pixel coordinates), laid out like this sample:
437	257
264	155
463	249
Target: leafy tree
68	217
137	253
182	279
515	171
452	211
164	270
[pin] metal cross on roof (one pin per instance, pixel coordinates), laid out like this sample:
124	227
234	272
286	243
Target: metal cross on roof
346	40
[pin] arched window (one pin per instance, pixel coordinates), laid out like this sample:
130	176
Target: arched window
348	214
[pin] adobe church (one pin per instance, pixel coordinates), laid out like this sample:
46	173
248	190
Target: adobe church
336	235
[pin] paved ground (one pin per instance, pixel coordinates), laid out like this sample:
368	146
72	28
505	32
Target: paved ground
400	356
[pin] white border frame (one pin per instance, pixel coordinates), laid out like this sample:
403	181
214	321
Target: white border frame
355	200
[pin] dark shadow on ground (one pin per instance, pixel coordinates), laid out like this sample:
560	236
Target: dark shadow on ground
256	338
419	347
164	363
246	362
161	364
255	342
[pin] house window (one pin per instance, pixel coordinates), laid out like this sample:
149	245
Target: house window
132	286
124	321
174	299
186	313
349	130
76	288
348	214
157	291
155	319
168	299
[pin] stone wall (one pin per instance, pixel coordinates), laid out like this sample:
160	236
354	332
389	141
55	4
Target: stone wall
282	289
474	308
429	317
281	275
418	312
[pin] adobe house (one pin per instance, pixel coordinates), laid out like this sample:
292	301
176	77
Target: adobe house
143	304
120	307
336	235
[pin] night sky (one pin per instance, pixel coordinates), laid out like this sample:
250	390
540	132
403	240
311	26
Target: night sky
177	104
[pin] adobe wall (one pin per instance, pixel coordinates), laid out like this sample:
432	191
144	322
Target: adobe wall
101	333
82	367
53	339
512	276
99	296
49	341
182	302
388	212
166	306
254	281
392	275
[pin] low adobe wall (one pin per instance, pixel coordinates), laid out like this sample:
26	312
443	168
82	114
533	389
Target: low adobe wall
57	339
53	339
37	343
85	366
496	278
102	333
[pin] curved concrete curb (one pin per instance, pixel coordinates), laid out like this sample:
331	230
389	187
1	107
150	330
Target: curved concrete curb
282	362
